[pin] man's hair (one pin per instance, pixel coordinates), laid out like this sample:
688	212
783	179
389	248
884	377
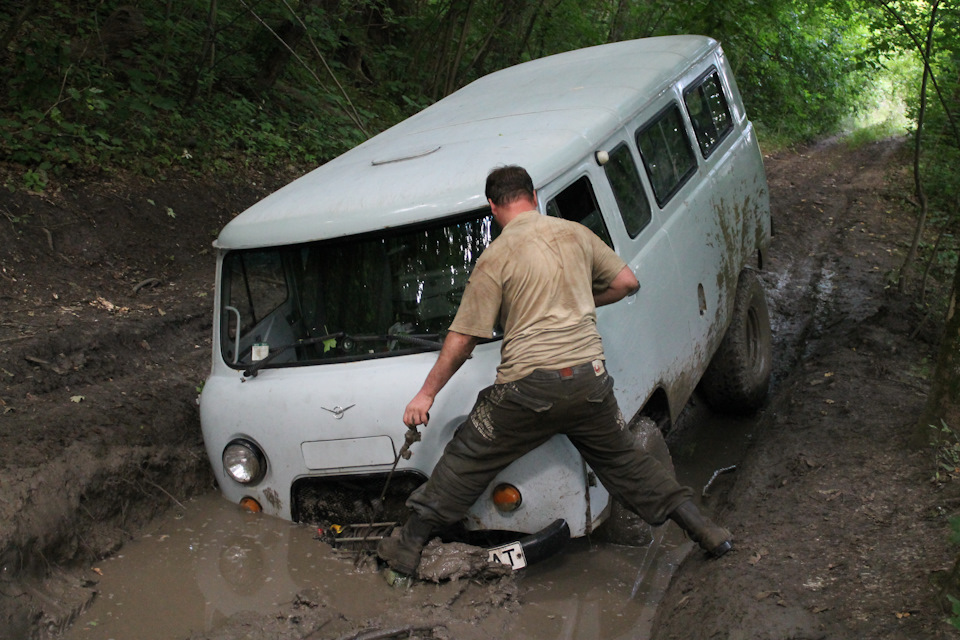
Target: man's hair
507	184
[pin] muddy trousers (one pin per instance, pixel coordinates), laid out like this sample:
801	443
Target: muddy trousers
509	420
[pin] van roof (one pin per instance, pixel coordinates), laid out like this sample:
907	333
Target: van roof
543	115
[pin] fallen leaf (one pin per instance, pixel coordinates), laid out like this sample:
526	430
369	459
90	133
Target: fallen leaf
104	303
97	571
77	398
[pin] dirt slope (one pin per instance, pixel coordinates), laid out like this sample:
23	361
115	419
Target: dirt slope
106	290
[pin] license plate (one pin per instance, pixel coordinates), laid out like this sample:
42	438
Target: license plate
508	554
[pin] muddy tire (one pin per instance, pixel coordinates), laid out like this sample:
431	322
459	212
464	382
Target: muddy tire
739	374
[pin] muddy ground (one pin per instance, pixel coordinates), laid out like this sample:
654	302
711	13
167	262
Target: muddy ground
106	290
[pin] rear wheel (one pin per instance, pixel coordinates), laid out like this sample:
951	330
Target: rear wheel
738	377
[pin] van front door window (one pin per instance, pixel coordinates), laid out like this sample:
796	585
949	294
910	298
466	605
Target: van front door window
627	189
577	202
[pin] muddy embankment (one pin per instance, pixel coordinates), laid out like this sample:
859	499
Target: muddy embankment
106	292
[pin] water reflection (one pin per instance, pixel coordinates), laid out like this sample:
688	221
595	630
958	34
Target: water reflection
192	573
599	591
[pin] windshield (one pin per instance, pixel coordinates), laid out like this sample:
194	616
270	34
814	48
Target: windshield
375	295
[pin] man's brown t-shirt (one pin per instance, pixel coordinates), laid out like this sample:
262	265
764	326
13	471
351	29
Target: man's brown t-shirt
538	277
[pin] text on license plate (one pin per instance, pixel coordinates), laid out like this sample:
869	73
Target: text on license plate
508	554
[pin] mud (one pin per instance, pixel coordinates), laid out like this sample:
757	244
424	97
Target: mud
455	561
212	569
106	288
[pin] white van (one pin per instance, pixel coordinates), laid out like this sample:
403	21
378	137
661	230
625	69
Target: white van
334	293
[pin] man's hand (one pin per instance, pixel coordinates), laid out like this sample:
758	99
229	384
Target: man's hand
418	411
457	347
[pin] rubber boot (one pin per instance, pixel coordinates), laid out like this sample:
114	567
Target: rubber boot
712	538
402	552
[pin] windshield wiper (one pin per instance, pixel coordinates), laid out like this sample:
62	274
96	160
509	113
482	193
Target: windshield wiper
422	340
251	371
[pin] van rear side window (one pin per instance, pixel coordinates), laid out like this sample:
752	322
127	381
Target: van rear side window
578	203
709	113
625	182
666	152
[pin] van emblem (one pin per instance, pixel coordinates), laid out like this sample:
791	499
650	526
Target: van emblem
338	411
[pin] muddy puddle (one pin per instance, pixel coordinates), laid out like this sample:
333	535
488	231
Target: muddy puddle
210	561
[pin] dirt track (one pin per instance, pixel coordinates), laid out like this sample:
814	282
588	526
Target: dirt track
106	291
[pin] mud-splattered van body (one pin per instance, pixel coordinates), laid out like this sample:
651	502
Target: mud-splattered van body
334	292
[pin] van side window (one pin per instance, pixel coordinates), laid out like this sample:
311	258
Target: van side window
709	113
625	182
578	203
666	153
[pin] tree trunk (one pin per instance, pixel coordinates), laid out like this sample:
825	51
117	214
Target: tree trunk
209	37
453	72
11	33
440	65
943	403
484	50
616	23
527	34
291	34
918	182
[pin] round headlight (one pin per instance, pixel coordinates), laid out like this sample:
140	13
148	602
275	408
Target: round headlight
244	462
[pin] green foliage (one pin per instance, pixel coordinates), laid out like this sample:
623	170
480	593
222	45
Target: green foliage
955	620
115	85
901	28
954	602
150	86
946	445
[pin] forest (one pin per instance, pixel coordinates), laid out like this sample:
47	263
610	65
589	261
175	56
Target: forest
217	87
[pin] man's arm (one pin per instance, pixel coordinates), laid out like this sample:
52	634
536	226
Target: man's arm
623	285
457	347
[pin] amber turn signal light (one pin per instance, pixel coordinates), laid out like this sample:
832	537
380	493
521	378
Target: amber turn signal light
251	505
506	497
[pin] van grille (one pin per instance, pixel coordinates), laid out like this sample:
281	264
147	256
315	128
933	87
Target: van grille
346	500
